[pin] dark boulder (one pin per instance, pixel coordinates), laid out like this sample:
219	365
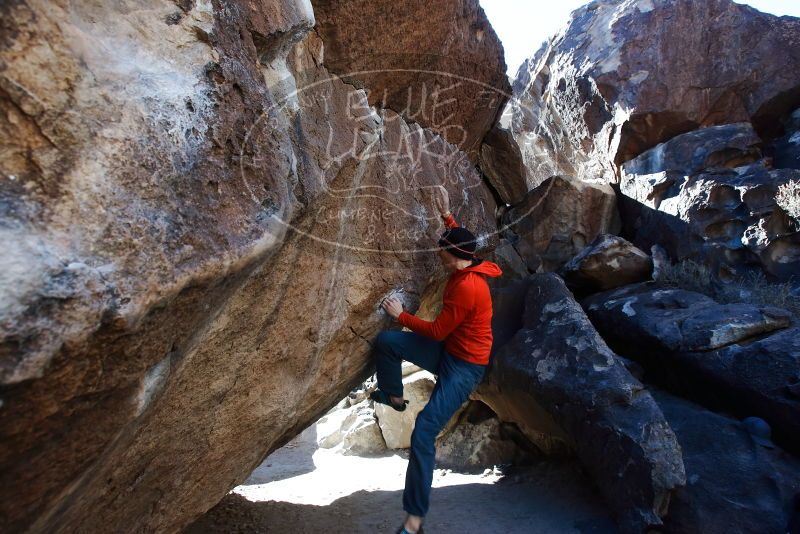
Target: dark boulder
608	262
558	380
674	320
733	483
785	151
735	357
729	145
725	218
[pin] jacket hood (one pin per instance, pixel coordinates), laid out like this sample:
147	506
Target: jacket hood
492	270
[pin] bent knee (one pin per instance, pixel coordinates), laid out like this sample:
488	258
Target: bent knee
383	338
388	338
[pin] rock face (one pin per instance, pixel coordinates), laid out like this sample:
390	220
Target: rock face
715	354
557	379
625	76
186	191
442	68
477	439
724	465
681	195
557	219
608	262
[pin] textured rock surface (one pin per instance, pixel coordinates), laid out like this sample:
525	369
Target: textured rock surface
358	433
501	162
677	320
624	76
725	218
716	354
161	291
729	145
733	483
398	426
608	262
557	377
557	219
442	68
478	440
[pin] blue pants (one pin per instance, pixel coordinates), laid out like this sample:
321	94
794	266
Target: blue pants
455	381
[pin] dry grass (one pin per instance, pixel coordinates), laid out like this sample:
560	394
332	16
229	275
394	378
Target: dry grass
752	289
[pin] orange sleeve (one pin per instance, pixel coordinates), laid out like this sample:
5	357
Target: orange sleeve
457	303
450	221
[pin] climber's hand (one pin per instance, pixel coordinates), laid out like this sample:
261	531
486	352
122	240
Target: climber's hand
441	200
393	307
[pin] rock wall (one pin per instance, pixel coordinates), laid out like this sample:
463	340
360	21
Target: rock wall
199	221
710	196
623	76
442	68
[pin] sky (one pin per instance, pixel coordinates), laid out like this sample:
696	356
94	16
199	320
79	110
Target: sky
523	25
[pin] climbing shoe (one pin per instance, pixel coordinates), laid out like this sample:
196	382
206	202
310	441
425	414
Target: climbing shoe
383	398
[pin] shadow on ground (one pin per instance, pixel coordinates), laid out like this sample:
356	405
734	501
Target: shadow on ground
549	500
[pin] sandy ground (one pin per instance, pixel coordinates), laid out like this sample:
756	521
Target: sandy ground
303	489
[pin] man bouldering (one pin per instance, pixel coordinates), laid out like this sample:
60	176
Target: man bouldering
455	347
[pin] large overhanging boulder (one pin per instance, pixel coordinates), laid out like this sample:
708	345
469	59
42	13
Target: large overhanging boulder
623	76
558	380
438	64
199	222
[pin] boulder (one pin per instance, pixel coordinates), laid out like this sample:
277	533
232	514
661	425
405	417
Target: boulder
479	440
557	219
622	77
354	431
558	380
363	436
728	145
442	68
676	320
509	260
734	484
608	262
737	357
501	163
188	191
397	427
726	218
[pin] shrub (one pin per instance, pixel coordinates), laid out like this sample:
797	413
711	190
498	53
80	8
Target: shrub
788	198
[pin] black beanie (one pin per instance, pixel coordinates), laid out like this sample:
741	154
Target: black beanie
459	242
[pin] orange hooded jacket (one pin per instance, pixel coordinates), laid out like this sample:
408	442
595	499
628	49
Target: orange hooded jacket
465	322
